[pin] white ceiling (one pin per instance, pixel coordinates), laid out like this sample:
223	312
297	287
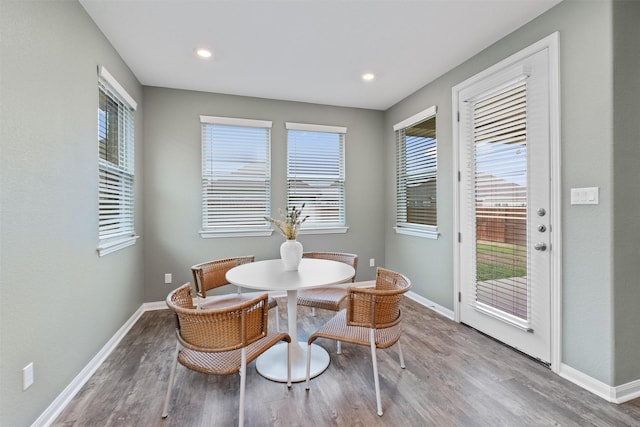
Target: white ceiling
306	50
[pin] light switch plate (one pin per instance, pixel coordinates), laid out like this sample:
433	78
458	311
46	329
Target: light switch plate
585	196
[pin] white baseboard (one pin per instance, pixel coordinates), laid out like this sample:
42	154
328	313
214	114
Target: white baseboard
363	284
430	304
63	399
627	392
152	306
619	394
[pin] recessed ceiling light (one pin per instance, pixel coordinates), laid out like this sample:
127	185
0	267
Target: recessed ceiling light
367	77
203	53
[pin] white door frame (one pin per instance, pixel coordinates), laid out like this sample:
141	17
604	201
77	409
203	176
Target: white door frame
551	43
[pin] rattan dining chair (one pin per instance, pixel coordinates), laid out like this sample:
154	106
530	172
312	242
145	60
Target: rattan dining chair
372	318
212	274
327	297
221	341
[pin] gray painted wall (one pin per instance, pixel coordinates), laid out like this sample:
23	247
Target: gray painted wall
626	176
59	302
587	140
173	185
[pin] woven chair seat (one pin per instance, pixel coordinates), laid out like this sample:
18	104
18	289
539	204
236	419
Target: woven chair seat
224	301
337	329
325	297
227	362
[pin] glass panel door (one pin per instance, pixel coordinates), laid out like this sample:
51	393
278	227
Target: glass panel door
504	204
500	157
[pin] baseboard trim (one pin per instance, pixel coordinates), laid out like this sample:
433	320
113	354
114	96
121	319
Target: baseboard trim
628	391
152	306
57	406
619	394
585	381
431	305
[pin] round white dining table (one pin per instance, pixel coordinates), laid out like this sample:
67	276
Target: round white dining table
270	275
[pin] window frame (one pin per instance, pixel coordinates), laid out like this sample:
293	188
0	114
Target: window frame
402	226
111	242
310	227
264	228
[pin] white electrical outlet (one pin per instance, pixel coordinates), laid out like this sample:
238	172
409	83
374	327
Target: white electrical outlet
27	376
168	278
372	262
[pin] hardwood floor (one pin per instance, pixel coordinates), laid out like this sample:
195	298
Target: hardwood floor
455	376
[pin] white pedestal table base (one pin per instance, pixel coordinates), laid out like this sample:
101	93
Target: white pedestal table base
272	363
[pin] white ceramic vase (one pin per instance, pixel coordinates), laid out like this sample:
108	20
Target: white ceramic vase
291	254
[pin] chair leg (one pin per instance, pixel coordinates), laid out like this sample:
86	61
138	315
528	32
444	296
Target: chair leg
402	365
277	318
375	370
172	377
313	311
339	347
289	364
243	382
307	386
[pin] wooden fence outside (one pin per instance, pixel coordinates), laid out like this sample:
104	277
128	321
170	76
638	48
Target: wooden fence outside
502	224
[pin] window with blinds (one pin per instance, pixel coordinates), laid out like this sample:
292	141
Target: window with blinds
115	165
500	157
316	173
416	179
236	176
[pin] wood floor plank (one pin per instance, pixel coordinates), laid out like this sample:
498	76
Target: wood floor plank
455	376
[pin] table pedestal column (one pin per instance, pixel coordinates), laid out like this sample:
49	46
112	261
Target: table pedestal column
272	364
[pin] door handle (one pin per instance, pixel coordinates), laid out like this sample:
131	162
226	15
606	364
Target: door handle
540	246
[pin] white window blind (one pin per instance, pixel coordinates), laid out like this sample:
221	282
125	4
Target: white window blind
236	176
500	158
316	173
416	174
115	164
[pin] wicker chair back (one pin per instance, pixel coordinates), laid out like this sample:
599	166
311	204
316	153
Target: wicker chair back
218	330
379	307
210	275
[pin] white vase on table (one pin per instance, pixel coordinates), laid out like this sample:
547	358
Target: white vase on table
291	254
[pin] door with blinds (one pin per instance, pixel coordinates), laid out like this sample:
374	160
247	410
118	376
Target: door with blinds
504	203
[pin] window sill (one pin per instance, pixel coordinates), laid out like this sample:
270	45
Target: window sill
430	233
110	246
325	230
216	234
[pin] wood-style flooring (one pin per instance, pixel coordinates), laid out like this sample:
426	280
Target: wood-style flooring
454	376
